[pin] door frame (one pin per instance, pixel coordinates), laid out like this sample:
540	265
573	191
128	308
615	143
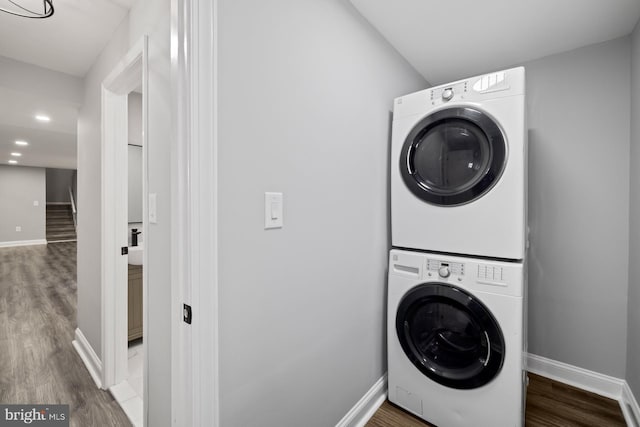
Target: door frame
195	353
123	79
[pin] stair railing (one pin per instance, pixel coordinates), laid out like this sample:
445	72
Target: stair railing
73	210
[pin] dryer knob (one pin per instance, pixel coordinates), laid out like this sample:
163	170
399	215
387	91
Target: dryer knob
447	94
444	272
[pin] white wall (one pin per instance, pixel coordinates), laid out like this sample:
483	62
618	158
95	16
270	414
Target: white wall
58	183
578	111
19	188
306	89
633	336
151	17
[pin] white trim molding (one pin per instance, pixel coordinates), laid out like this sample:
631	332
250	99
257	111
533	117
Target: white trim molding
629	406
366	406
594	382
23	243
195	358
89	357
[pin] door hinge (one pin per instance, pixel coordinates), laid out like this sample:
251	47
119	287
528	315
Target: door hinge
124	250
186	313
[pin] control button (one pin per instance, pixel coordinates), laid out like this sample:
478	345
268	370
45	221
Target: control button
447	94
444	272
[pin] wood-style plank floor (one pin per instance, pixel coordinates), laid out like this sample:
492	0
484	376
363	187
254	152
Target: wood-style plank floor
38	364
549	404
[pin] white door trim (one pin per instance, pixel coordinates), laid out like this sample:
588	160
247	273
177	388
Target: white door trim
195	250
124	78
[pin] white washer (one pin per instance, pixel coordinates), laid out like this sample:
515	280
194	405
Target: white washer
458	167
456	339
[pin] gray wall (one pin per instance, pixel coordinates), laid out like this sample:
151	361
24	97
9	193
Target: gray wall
135	158
578	112
305	92
89	189
633	327
19	188
151	17
58	183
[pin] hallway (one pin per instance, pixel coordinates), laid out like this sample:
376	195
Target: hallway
38	364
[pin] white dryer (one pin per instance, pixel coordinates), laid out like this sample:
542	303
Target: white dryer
458	167
456	339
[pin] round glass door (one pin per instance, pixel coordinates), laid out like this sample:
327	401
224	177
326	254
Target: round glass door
453	156
450	336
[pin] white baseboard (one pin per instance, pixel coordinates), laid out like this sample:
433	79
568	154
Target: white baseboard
629	406
23	243
367	406
89	357
594	382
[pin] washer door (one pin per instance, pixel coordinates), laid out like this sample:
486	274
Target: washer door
450	336
453	156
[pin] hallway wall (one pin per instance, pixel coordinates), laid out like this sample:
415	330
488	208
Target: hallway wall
150	17
58	183
305	93
633	327
19	187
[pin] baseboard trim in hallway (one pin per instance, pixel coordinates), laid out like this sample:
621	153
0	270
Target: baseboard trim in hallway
366	406
89	357
23	243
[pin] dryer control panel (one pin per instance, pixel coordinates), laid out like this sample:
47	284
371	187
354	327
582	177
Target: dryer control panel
447	93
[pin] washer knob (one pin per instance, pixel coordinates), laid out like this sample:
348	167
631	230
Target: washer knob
447	94
444	272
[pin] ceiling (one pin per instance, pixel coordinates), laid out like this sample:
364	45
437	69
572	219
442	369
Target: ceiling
51	144
450	40
68	42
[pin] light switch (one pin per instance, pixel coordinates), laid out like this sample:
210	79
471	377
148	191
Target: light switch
36	203
18	228
273	210
153	217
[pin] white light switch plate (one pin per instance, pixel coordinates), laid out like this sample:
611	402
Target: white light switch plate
18	228
36	203
273	209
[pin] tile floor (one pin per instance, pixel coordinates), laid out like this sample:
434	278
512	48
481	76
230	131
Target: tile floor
129	392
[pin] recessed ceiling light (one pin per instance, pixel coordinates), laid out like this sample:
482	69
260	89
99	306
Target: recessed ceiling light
42	118
16	154
22	143
13	162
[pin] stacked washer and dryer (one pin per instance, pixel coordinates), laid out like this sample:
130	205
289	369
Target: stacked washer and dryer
456	300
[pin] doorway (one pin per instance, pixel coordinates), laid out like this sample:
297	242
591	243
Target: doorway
118	253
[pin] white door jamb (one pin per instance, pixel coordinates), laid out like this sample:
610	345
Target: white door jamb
125	77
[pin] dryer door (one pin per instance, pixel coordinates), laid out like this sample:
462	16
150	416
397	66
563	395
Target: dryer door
453	156
450	336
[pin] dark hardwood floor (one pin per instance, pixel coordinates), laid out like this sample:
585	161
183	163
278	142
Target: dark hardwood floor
38	364
549	404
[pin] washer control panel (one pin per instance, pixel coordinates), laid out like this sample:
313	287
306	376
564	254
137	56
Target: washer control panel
444	269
